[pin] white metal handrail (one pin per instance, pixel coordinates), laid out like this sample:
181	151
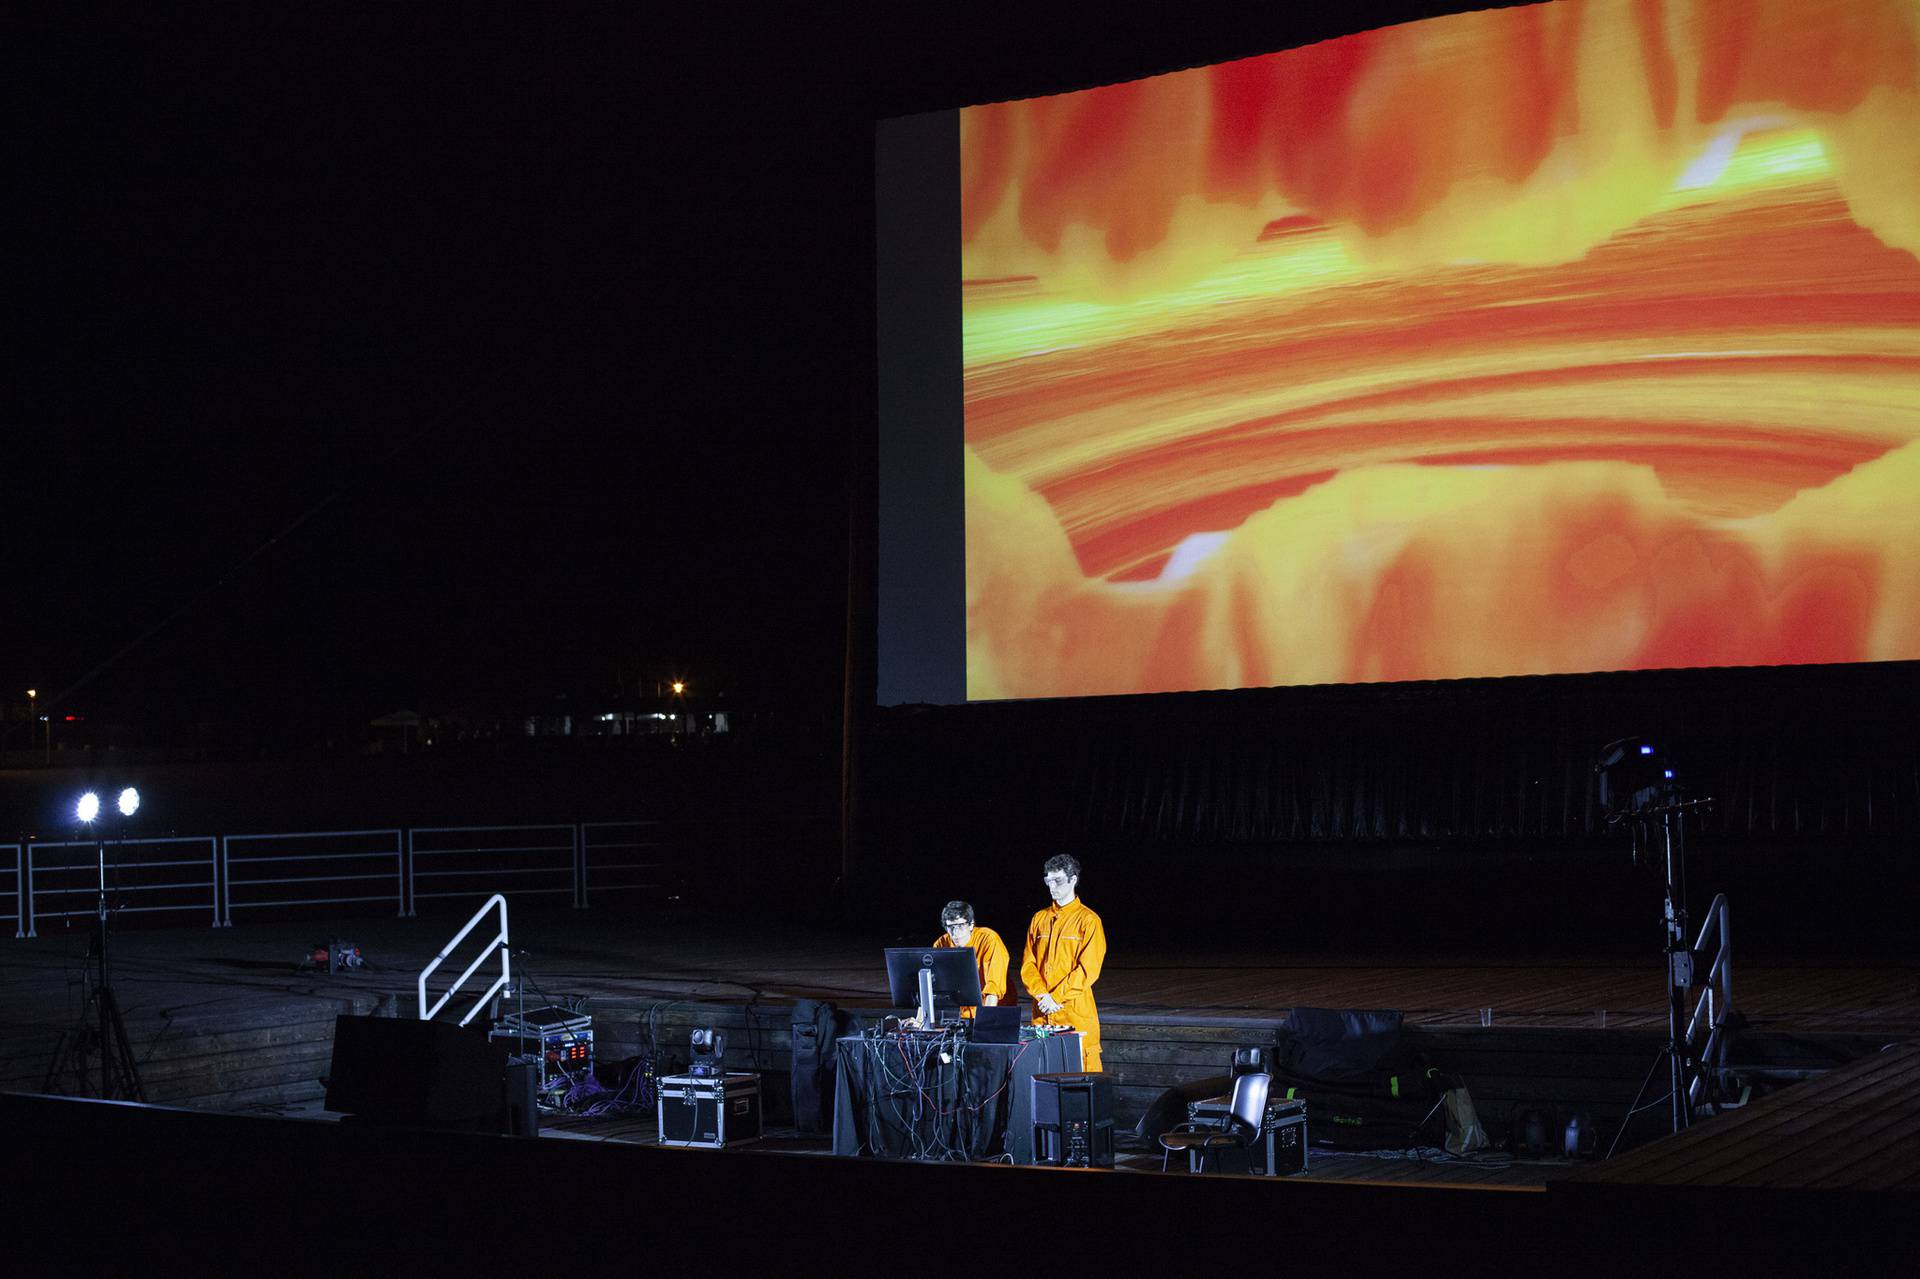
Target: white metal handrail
19	891
459	863
116	852
349	868
497	946
329	847
1714	1003
595	871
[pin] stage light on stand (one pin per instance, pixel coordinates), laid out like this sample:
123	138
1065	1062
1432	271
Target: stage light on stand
100	1031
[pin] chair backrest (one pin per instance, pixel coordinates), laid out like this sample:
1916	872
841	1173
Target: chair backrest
1249	1103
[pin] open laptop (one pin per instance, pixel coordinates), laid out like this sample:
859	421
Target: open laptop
996	1024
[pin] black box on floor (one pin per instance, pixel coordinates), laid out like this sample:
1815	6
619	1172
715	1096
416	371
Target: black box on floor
1073	1119
714	1111
1280	1150
403	1072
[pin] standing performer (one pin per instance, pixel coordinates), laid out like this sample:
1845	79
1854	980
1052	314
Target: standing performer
989	952
1066	945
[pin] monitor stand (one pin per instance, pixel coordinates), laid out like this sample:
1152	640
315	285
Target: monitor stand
925	1011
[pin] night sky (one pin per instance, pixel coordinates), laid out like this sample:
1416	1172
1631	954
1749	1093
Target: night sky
378	359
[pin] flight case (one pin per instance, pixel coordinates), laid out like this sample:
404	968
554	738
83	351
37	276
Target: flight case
714	1111
1279	1151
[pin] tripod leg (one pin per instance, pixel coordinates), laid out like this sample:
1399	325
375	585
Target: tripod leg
124	1067
68	1046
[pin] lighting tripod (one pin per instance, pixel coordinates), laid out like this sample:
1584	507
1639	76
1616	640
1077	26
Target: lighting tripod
100	1028
1678	954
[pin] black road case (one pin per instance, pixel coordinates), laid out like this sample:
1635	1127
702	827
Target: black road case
1279	1151
715	1111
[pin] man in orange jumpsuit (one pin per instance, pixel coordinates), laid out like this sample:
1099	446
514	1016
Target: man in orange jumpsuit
1066	945
989	952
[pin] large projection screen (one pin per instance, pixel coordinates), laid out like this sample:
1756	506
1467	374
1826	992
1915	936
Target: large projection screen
1575	337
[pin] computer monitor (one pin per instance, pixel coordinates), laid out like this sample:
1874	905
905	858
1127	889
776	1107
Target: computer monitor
956	979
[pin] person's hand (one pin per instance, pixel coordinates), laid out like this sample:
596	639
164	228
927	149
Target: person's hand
989	1001
1047	1004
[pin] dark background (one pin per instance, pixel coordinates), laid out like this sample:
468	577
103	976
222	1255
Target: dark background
372	359
487	367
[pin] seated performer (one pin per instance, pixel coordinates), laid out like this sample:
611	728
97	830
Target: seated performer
1065	947
989	952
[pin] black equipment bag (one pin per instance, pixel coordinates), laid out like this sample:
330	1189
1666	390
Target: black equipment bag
815	1028
1365	1082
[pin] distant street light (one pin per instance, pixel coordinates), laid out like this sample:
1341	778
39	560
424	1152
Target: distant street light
33	717
679	687
88	808
129	802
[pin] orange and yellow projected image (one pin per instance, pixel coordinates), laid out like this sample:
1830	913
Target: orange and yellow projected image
1577	337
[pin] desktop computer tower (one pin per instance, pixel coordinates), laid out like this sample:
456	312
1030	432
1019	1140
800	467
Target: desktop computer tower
1073	1120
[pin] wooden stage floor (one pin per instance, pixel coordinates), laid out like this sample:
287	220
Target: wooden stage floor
174	972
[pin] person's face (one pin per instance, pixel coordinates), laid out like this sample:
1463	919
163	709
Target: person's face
959	931
1059	886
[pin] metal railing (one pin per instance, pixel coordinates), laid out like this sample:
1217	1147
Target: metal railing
293	872
16	892
497	946
471	861
622	857
1713	1002
312	868
63	877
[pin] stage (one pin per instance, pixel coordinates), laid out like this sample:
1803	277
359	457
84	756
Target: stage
228	1019
228	1029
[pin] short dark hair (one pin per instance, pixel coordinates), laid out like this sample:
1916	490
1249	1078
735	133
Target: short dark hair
956	911
1063	863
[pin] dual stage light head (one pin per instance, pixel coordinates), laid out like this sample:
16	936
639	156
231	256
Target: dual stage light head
89	806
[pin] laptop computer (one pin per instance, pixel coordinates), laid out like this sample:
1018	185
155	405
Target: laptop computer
996	1024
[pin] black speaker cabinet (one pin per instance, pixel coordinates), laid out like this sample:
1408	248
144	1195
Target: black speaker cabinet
1073	1120
420	1074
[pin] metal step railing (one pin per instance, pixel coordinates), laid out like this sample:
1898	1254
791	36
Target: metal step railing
498	945
1713	1000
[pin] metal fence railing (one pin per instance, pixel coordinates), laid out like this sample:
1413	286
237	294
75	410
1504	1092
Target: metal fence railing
175	874
312	868
14	896
625	857
478	861
290	873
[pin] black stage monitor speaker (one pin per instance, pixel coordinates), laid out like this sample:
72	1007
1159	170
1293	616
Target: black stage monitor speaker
419	1074
1073	1120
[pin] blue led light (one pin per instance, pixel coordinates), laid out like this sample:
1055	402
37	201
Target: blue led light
1646	750
1667	773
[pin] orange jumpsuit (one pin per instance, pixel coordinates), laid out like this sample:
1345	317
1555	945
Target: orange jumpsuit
1065	947
989	957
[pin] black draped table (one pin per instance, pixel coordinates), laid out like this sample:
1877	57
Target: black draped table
895	1096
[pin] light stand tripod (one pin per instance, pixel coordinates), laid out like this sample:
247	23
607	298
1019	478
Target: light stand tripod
99	1028
1682	1070
1638	787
